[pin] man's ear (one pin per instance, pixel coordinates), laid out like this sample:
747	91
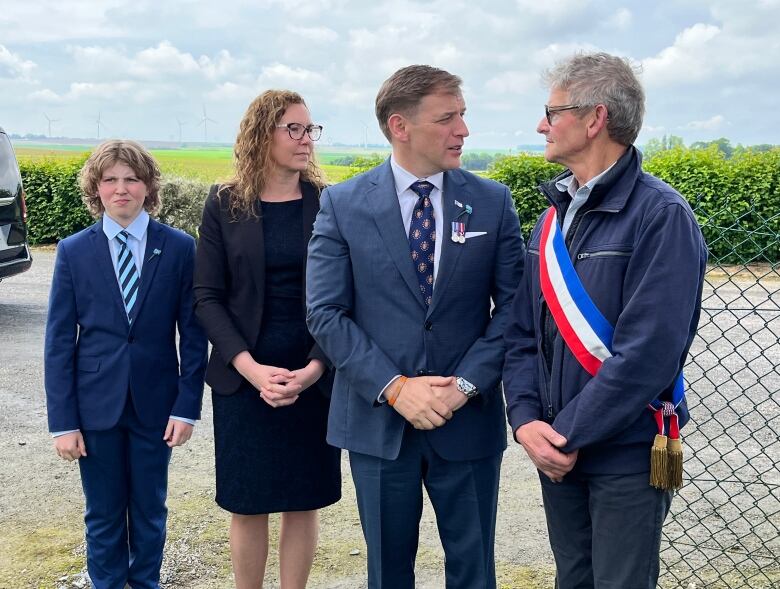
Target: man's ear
397	124
598	121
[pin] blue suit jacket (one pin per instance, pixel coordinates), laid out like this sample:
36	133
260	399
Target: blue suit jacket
366	311
94	357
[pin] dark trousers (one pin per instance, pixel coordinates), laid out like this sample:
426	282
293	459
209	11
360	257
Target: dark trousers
125	482
605	530
464	496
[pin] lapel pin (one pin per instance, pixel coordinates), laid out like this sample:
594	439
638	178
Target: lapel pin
458	204
156	252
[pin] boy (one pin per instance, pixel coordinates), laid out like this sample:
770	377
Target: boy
118	398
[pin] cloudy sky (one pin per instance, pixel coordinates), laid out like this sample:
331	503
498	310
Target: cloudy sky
149	68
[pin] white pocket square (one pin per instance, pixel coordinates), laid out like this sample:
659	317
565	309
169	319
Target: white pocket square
470	234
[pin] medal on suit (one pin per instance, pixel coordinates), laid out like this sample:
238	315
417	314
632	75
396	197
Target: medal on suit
458	232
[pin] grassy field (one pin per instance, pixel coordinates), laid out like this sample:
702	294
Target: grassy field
207	165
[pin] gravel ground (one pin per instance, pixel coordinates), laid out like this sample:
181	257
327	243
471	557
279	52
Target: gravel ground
41	527
724	524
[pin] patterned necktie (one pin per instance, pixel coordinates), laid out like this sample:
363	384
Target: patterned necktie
422	238
128	273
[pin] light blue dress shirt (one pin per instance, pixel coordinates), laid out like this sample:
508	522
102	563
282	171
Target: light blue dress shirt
579	195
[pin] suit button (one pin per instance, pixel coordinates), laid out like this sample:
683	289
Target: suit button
428	326
130	339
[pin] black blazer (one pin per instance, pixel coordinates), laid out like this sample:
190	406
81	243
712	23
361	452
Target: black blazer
230	282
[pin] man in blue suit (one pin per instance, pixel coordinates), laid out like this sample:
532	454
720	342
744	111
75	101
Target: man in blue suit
411	272
118	398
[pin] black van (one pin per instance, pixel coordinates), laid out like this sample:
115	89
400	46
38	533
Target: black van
14	252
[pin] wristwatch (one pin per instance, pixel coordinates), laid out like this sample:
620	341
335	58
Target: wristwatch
466	387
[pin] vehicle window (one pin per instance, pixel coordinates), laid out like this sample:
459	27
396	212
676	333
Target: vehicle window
10	182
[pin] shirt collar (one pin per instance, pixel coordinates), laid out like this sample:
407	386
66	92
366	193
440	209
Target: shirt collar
569	183
404	179
137	228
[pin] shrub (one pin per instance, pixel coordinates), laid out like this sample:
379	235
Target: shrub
364	164
182	203
523	174
54	206
737	200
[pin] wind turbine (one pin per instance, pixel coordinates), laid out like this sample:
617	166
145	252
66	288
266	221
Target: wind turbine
99	123
181	124
50	122
365	134
205	122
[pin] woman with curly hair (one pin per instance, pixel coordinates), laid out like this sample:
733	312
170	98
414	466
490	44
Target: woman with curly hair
266	373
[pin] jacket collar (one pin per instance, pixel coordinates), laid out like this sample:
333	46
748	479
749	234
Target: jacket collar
611	192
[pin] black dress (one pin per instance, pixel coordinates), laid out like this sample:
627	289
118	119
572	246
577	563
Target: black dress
271	460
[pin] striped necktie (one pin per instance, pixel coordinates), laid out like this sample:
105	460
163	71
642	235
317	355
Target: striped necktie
127	273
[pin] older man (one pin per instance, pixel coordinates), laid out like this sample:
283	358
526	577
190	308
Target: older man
614	273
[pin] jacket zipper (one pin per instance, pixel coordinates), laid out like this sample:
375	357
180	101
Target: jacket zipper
602	254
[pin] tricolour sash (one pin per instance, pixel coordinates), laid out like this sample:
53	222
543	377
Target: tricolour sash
588	335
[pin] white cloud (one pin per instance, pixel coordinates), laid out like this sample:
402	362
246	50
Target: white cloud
554	10
100	90
232	92
279	75
512	82
45	96
143	62
712	124
163	61
622	19
315	34
51	21
14	66
158	63
686	60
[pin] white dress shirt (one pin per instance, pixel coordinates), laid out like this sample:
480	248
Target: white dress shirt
407	198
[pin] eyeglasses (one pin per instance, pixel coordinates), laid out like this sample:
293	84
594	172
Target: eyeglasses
296	131
549	111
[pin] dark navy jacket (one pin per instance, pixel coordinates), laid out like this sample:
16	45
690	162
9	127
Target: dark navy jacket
94	358
640	255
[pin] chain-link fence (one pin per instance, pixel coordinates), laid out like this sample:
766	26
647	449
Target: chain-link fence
724	529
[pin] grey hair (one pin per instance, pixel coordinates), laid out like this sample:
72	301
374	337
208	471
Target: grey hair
601	78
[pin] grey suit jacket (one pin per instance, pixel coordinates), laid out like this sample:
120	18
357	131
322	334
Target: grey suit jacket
366	311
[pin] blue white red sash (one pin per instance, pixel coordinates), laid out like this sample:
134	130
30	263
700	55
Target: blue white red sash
585	330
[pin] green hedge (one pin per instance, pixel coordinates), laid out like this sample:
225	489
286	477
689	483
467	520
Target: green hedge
523	174
55	209
737	200
54	206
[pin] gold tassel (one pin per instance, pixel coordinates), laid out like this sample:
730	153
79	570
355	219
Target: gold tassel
658	463
674	466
